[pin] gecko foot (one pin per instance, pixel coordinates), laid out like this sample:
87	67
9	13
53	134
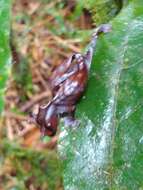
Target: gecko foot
71	122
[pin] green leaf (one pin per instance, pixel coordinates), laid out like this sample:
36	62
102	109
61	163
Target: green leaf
5	58
102	10
41	167
106	151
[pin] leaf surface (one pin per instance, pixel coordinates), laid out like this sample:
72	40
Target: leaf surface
106	151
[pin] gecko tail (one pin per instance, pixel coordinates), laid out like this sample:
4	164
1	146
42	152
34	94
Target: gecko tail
103	28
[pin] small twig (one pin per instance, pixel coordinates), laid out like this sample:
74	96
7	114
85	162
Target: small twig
25	130
64	54
43	82
10	134
15	115
49	145
65	43
35	99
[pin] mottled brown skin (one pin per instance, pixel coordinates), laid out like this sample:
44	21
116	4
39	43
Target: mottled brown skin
71	89
68	83
47	120
63	103
59	74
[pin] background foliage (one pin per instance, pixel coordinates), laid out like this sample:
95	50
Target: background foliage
28	168
103	10
5	59
26	160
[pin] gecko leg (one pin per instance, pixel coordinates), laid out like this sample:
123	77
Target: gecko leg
68	114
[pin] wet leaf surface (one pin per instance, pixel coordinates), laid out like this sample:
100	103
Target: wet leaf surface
105	152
